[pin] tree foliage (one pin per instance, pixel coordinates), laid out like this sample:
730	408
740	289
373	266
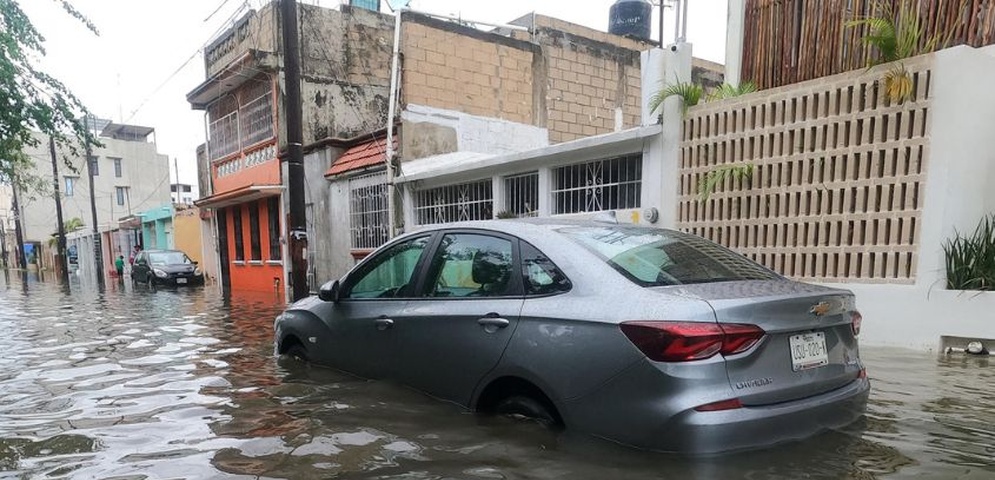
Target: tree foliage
32	100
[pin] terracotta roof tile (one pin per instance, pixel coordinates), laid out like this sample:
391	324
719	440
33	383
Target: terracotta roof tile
364	155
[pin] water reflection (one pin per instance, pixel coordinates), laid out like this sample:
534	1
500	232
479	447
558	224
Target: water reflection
182	383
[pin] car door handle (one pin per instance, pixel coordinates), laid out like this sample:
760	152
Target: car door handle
493	323
383	323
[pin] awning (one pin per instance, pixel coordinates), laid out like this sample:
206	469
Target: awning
245	194
368	154
245	68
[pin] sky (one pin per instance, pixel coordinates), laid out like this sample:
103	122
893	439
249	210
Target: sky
149	53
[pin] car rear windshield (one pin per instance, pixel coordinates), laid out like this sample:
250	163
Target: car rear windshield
651	257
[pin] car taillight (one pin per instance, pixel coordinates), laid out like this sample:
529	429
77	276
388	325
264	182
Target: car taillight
855	320
688	341
719	406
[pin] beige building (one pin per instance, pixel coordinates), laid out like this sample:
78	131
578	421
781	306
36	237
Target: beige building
130	176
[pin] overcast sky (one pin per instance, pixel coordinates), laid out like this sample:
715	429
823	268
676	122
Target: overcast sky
149	52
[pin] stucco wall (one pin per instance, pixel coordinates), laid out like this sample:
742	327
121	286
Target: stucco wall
144	172
187	233
428	131
345	62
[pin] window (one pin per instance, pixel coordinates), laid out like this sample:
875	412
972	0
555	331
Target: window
119	193
368	211
598	186
521	194
651	257
468	265
117	167
70	186
236	221
242	120
542	277
388	274
94	166
255	247
455	203
273	224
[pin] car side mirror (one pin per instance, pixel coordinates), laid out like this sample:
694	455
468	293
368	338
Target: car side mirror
329	292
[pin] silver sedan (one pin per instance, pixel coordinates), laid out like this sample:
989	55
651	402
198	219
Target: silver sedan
647	337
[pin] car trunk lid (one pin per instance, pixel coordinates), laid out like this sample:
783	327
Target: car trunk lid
809	347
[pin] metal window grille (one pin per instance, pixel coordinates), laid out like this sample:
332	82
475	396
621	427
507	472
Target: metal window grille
600	185
455	203
224	136
255	244
273	224
368	210
257	119
119	192
522	194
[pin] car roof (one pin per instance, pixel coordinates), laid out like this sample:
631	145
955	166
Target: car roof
535	226
163	251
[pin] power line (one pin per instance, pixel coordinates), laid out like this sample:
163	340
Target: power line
194	55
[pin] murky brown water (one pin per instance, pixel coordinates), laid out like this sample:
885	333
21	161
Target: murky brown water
181	384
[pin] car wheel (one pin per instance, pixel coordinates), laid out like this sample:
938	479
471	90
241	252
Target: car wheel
297	352
528	407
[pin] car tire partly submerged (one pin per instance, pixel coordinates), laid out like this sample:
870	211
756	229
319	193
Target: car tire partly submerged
297	353
521	406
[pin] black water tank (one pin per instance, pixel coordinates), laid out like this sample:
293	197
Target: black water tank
632	18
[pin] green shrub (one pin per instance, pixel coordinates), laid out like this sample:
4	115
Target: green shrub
971	260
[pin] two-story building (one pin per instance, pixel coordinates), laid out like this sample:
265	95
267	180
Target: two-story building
537	82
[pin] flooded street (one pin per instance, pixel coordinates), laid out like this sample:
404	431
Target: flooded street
182	384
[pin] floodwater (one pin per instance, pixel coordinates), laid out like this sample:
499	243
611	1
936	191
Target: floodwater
133	384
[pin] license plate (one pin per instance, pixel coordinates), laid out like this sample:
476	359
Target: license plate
180	281
808	350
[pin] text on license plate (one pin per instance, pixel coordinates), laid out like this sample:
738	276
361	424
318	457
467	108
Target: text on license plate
808	350
181	280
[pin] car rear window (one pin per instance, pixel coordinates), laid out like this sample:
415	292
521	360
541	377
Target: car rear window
652	257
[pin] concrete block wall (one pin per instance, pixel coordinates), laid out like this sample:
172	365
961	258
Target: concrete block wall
840	173
593	79
575	81
455	69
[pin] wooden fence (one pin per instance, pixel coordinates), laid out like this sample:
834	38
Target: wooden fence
789	41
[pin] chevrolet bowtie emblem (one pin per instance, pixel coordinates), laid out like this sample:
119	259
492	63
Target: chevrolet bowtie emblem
820	309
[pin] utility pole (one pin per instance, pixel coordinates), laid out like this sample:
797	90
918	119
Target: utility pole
3	242
294	156
18	232
392	199
98	251
60	249
176	167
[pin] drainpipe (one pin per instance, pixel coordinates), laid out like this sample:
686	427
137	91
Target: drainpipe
391	111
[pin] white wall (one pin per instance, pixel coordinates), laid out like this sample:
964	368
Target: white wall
912	317
960	173
481	134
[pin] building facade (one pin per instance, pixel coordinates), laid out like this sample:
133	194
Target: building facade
129	176
537	82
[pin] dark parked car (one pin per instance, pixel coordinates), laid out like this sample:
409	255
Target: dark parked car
648	337
165	268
